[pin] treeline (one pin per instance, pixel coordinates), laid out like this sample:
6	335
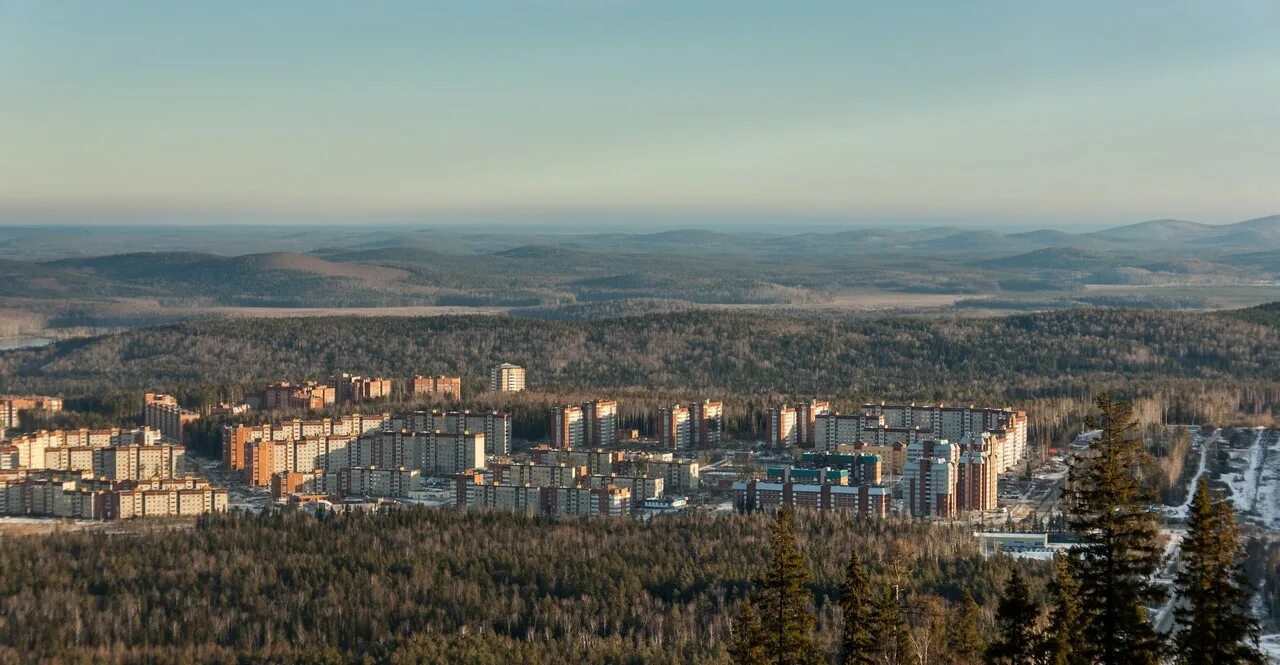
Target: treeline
443	586
1020	358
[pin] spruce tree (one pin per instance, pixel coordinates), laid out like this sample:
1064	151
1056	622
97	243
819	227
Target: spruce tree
1214	622
1110	503
747	647
858	642
1063	645
785	597
893	643
964	634
1018	640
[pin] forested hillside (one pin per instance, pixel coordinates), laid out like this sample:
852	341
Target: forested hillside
1066	353
443	586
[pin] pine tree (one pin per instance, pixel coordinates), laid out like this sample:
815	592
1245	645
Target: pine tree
1110	506
1018	641
964	634
747	647
1214	621
785	597
1063	645
858	643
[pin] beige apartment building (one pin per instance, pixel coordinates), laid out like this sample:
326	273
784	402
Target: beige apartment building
506	378
352	388
161	412
12	406
438	386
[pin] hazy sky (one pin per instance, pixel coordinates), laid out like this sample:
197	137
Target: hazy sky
1020	111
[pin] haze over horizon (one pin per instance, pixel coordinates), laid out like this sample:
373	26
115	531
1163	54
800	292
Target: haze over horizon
661	114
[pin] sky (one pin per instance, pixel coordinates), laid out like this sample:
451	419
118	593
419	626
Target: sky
1019	113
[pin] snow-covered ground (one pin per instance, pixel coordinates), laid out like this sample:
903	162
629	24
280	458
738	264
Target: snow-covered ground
1200	443
1254	479
1271	647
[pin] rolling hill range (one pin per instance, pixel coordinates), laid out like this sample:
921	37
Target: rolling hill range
1162	263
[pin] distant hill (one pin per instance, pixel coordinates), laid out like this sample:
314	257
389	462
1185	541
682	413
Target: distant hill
1159	230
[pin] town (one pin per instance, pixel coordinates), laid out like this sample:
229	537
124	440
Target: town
938	462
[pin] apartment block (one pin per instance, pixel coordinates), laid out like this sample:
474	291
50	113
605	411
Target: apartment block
308	395
976	479
353	388
132	462
808	475
707	418
539	475
596	461
567	427
600	423
436	386
12	406
641	487
864	468
506	378
806	421
162	412
495	426
675	427
609	501
929	479
316	482
448	454
31	448
865	500
80	499
473	492
782	427
373	481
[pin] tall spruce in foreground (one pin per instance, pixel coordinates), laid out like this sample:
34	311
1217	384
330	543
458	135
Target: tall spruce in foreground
858	641
747	646
784	600
1064	643
1110	503
964	631
1019	640
1214	622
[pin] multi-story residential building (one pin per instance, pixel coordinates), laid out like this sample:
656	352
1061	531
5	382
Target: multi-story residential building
295	482
680	475
955	423
309	395
73	497
795	424
863	468
539	475
12	406
353	388
640	487
806	421
31	448
810	475
675	427
975	478
596	461
473	492
707	419
567	427
373	481
782	427
865	500
608	501
162	412
892	455
600	423
333	433
448	454
506	378
496	426
137	462
438	386
929	479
